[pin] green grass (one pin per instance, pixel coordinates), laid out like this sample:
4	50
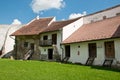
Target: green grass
41	70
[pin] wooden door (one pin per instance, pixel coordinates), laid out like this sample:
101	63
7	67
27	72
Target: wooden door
54	38
32	46
109	49
92	50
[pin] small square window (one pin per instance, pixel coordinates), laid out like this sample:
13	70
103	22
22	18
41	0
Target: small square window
104	17
45	37
25	44
117	14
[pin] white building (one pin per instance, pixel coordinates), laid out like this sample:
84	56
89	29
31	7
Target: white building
97	41
91	39
44	36
7	42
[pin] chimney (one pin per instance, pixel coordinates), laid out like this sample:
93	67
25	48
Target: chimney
37	17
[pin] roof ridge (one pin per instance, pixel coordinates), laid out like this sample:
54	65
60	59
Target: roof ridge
45	17
103	10
102	20
69	19
38	19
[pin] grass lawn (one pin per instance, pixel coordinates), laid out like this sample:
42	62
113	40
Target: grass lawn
41	70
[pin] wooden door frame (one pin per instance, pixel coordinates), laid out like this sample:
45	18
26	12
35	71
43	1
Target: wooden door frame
89	50
106	43
54	38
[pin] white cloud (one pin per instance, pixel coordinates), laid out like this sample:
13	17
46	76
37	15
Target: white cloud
63	19
42	5
16	21
75	15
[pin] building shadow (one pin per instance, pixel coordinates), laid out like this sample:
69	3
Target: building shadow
106	68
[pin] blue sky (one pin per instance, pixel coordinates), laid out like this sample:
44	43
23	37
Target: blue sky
23	10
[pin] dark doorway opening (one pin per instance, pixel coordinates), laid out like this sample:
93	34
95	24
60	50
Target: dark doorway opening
32	46
50	53
67	51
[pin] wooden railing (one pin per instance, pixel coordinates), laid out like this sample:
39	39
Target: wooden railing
46	42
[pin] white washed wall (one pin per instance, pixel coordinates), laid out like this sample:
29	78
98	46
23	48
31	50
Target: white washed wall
69	29
9	44
83	50
99	16
117	51
44	50
82	58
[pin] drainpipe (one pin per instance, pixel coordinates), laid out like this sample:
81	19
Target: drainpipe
61	44
62	50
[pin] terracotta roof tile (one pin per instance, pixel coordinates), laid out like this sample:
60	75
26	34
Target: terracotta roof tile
39	26
33	28
108	28
59	25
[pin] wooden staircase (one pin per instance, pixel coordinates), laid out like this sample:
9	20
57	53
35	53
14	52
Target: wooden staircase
108	62
56	53
65	60
28	55
90	61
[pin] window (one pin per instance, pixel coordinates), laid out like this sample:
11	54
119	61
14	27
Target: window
25	44
92	21
104	17
45	37
117	14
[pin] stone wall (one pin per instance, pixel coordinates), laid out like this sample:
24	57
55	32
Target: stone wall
21	49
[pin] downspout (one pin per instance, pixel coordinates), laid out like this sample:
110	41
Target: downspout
62	50
61	44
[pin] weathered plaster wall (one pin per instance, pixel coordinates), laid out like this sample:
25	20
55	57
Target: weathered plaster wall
21	50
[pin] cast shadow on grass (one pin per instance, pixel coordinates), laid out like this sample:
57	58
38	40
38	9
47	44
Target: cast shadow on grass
106	68
97	67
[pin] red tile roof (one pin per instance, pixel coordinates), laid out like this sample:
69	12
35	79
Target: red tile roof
42	25
108	28
33	28
57	25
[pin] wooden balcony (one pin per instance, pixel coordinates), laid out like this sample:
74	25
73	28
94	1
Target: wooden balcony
46	42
